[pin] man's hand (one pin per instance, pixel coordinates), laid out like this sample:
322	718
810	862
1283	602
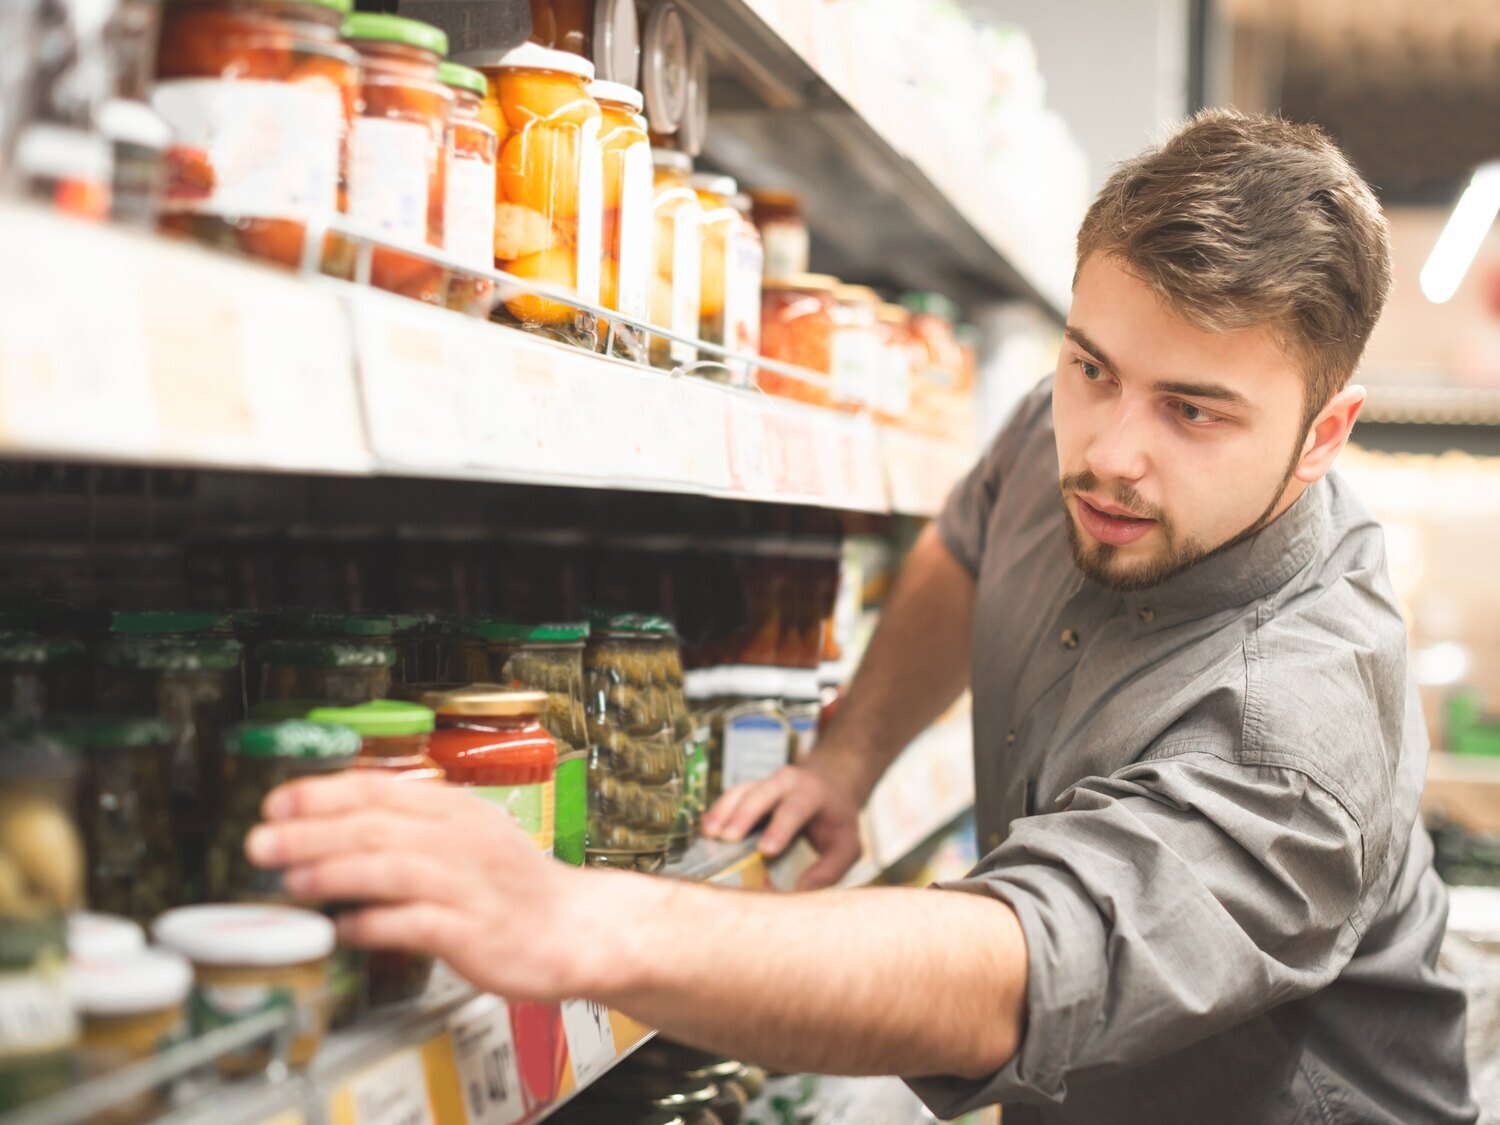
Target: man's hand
815	799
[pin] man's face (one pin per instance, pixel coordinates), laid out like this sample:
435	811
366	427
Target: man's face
1173	442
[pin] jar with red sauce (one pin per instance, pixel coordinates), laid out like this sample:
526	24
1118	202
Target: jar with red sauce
398	147
222	64
799	317
469	214
493	742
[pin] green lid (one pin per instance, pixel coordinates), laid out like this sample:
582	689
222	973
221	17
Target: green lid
19	646
934	304
326	654
342	7
111	732
383	718
968	334
339	626
508	629
159	623
252	620
630	624
293	738
181	654
462	78
396	29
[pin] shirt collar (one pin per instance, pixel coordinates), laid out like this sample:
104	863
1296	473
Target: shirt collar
1247	571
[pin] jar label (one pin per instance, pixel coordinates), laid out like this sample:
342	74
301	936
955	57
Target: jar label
635	225
590	211
571	800
530	806
744	265
857	366
755	747
219	1005
687	280
35	1014
469	211
251	149
388	177
896	386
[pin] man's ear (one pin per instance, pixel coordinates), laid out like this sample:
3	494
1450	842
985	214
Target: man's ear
1329	434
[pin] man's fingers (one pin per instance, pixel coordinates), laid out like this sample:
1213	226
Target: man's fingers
759	799
355	790
833	865
382	877
420	927
795	811
289	843
718	816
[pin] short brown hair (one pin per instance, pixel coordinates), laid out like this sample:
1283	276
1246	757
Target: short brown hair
1241	220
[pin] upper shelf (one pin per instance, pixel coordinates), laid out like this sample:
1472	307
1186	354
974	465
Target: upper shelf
885	206
118	346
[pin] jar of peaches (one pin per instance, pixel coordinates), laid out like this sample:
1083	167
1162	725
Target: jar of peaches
625	269
469	208
676	290
548	211
279	64
398	164
799	316
733	263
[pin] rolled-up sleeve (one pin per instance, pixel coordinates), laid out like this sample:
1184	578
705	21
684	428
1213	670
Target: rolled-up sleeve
1177	898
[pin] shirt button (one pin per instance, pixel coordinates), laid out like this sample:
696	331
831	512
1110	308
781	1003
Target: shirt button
1147	613
1010	739
1069	638
994	839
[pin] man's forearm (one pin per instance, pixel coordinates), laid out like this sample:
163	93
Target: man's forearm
876	981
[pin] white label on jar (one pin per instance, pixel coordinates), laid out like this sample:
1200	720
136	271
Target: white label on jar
744	266
35	1015
388	177
896	388
251	149
469	211
786	248
636	227
857	366
590	211
755	747
687	279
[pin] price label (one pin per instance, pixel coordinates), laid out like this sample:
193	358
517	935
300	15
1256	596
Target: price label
591	1038
393	1093
486	1055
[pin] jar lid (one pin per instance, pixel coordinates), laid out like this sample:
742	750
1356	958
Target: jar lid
617	41
292	738
664	68
528	56
742	202
714	184
773	197
246	934
380	718
251	620
462	78
21	646
857	294
811	282
183	654
387	28
126	121
158	623
934	304
507	629
144	981
479	703
326	654
98	936
320	623
693	131
671	159
630	624
892	314
111	732
342	7
627	96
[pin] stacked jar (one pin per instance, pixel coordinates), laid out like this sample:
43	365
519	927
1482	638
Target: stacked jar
676	290
342	658
278	63
469	212
732	267
398	147
549	183
625	272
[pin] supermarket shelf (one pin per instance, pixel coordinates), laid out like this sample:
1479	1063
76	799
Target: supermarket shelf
884	211
201	360
1434	406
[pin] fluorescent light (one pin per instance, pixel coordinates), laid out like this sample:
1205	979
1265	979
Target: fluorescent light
1460	241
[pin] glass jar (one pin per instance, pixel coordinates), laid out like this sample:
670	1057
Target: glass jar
896	379
328	671
398	147
100	937
783	230
171	623
937	358
798	318
729	305
469	215
676	288
278	63
856	358
493	742
625	269
40	675
125	812
692	738
607	32
547	197
546	658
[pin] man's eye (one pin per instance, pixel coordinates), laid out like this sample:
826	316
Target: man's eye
1194	414
1091	371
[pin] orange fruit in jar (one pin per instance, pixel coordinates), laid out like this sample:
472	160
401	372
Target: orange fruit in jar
615	141
552	267
520	231
609	234
529	96
539	168
609	284
711	293
489	113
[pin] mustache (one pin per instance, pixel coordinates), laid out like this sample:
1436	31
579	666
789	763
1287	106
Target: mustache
1122	494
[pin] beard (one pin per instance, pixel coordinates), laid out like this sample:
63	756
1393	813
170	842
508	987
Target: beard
1101	562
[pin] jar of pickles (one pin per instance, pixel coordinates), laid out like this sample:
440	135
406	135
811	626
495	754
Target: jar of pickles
625	270
279	64
733	264
546	658
398	147
40	675
676	290
692	738
492	742
798	319
469	215
125	811
547	200
347	671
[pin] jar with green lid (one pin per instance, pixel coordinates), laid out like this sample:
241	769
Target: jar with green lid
692	736
125	813
41	880
546	658
346	672
40	675
171	623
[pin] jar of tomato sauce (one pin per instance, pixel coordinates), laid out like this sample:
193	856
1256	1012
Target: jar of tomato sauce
798	320
625	269
494	743
222	64
398	163
469	214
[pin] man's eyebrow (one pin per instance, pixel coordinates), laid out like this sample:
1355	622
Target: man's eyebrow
1077	336
1215	392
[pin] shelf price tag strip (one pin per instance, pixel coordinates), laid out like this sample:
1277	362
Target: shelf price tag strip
484	1051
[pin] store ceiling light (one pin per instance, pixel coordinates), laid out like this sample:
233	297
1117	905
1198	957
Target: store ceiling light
1466	230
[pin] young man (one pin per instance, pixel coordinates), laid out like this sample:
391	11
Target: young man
1207	896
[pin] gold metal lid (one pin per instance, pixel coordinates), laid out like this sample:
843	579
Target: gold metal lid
817	282
487	700
857	294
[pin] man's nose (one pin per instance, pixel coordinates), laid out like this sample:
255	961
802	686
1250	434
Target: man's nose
1119	450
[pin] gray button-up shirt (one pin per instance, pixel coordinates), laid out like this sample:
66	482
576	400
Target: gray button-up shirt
1201	802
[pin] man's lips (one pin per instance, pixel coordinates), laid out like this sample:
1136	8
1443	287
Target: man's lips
1110	523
